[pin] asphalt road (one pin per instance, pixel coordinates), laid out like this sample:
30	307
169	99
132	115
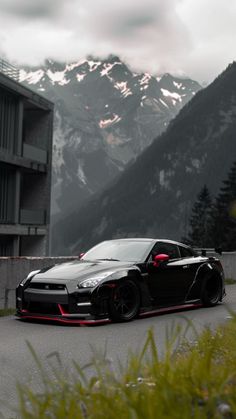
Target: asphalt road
75	343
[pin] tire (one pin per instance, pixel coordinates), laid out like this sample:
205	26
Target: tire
124	303
211	291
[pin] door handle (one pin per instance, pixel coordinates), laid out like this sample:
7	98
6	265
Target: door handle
185	266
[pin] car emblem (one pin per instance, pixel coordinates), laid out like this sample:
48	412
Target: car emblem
47	287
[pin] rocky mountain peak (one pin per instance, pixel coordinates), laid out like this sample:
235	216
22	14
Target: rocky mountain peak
105	116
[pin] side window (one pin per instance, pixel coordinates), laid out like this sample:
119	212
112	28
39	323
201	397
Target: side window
185	252
167	248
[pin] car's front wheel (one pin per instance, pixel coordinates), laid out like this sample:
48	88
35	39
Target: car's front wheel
124	303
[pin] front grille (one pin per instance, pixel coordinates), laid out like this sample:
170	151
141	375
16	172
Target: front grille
45	286
43	308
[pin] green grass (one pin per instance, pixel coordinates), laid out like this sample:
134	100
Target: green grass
230	281
197	380
7	311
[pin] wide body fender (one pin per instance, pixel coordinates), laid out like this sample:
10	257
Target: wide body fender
104	290
204	272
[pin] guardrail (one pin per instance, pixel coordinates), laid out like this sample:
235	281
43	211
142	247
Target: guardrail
9	70
14	269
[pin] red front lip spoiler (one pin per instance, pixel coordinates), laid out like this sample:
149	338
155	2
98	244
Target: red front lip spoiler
28	316
25	315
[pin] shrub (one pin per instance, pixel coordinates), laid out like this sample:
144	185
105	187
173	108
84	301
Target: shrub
192	380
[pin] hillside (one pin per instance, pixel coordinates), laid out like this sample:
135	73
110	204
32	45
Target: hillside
154	196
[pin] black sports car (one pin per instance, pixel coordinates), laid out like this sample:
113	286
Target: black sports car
119	280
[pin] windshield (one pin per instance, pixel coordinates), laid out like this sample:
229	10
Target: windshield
121	250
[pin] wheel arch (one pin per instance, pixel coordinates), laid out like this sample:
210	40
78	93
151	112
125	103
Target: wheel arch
209	272
205	272
124	299
132	273
105	289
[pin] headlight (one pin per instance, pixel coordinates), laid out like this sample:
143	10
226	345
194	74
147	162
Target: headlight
30	275
92	282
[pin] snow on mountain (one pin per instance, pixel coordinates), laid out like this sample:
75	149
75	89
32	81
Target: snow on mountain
107	122
31	77
174	96
122	86
80	77
107	67
105	116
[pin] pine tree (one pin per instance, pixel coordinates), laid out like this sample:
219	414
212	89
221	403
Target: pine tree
199	234
223	228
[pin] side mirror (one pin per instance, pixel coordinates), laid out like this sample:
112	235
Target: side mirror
158	259
81	255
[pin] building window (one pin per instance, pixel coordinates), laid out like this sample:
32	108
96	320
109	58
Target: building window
8	121
7	195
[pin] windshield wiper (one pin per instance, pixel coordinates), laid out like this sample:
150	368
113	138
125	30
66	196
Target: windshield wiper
115	260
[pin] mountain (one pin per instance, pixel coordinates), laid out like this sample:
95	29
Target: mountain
155	194
105	116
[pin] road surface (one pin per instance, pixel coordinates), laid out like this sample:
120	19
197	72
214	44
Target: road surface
75	343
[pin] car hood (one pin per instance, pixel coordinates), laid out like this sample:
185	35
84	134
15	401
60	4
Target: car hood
79	270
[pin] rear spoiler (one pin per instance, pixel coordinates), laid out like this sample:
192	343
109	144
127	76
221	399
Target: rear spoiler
218	250
205	251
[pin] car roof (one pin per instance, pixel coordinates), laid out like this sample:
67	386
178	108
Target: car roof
151	240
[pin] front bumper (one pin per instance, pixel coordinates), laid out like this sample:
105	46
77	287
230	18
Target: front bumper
78	307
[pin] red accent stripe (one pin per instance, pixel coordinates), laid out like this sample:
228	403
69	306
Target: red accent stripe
68	321
104	321
62	310
169	309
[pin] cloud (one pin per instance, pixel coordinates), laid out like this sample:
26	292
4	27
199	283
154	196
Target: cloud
212	28
28	9
157	36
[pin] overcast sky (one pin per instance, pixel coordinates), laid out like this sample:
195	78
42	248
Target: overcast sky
192	37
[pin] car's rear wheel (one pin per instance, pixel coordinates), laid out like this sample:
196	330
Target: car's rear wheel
212	290
124	303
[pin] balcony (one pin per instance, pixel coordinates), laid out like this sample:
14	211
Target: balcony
35	217
9	70
34	153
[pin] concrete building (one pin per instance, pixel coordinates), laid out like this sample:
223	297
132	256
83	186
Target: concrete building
26	127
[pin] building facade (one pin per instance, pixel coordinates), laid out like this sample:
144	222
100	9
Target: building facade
26	128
